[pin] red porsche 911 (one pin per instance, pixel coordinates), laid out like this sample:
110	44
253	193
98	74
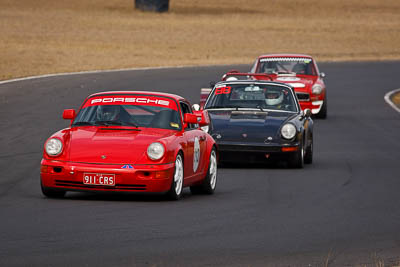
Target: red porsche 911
131	141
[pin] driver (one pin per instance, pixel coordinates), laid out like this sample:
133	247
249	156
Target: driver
274	98
107	112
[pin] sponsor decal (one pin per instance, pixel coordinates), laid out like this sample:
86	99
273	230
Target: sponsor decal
131	100
173	124
222	90
196	154
128	166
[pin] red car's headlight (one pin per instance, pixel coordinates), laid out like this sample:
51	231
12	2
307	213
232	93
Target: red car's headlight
316	89
155	151
53	147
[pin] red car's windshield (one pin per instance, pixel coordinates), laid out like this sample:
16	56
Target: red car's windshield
137	111
286	65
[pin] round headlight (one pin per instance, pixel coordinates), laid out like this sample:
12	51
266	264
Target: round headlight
53	147
288	131
155	151
316	89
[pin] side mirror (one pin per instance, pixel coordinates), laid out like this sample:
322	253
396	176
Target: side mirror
212	84
69	114
322	75
191	118
196	107
307	112
203	116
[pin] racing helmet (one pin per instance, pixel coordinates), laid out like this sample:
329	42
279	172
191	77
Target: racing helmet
273	97
107	112
231	79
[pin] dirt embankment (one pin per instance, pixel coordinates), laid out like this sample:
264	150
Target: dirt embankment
46	36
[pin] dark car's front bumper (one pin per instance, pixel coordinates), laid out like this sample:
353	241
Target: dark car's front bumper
235	151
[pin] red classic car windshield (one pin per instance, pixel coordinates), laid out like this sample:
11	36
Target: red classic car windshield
137	111
286	65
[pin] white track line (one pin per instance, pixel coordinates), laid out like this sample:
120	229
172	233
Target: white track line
99	71
389	101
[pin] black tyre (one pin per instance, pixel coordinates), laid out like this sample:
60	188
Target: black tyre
210	181
297	159
323	113
175	191
52	193
309	152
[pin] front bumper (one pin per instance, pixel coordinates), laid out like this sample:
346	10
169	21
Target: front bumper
233	151
315	106
139	178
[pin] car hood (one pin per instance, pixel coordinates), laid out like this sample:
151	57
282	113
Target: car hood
112	145
247	125
300	83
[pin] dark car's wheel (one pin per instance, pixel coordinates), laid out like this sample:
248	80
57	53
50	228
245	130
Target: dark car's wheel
297	159
210	181
308	158
52	193
323	113
175	191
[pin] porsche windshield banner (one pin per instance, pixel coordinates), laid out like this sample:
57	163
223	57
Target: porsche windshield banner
131	100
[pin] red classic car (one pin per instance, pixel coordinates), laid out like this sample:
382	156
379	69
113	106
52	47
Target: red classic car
302	73
131	141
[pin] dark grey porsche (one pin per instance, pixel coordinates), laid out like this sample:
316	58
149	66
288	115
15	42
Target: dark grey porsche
258	121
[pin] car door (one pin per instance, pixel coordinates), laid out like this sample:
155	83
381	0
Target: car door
194	149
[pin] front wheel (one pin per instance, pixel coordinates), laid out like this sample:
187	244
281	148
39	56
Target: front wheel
210	181
297	159
175	191
309	152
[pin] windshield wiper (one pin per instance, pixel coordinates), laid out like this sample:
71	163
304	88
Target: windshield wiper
78	123
227	106
258	106
108	123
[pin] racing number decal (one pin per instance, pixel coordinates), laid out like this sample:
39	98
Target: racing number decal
196	154
223	90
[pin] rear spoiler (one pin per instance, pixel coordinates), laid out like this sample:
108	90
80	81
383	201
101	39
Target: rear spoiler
254	76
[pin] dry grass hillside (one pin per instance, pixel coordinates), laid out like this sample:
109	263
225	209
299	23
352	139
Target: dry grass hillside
47	36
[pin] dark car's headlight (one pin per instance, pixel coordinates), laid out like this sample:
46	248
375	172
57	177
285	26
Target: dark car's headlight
288	131
155	151
53	147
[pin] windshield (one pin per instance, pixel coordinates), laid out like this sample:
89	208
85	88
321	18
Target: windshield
282	65
254	96
135	111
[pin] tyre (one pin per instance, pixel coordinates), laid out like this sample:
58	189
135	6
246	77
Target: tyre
323	113
210	181
309	152
52	193
175	191
297	159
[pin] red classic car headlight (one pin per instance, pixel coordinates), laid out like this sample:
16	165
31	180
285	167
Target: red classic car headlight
53	147
155	151
316	89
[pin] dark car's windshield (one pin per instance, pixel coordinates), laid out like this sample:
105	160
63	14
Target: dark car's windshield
254	96
128	111
283	65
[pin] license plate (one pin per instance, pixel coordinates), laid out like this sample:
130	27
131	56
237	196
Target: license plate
99	179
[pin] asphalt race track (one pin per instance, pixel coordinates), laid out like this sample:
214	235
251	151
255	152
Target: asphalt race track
343	210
